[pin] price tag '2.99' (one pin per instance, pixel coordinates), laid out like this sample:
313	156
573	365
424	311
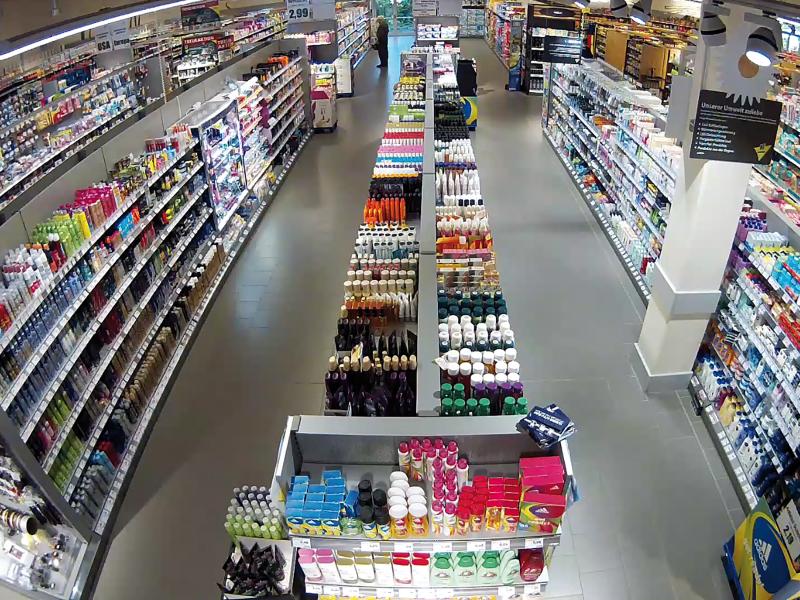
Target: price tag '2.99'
298	10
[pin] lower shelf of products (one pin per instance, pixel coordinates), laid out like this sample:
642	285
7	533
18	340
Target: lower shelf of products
138	441
370	591
636	277
724	447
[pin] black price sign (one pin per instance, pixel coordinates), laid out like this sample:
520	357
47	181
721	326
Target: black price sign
735	131
562	49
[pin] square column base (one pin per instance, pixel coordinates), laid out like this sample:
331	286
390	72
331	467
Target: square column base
657	382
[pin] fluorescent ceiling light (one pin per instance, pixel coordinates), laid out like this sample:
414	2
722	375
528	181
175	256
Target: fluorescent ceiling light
10	52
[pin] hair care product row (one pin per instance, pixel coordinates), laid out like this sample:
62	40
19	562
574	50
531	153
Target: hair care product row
95	483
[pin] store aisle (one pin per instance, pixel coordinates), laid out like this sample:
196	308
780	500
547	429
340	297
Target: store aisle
259	357
653	514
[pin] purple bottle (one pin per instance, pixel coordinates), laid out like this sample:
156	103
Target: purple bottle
494	398
516	390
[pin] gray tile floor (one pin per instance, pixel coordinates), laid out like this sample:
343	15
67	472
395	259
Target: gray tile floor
656	504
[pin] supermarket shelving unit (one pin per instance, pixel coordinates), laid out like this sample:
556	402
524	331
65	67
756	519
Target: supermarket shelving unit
290	134
638	184
154	97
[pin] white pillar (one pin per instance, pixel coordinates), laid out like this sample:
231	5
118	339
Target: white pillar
702	225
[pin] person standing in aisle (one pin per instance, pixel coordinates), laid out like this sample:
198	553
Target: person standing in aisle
382	45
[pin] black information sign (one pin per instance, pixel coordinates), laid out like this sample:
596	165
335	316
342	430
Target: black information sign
561	49
734	131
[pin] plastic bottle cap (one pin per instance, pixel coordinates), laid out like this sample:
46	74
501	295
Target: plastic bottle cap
465	355
511	354
475	357
472	404
500	378
447	390
513	367
475	379
488	358
443	327
465	369
403	447
500	366
513	378
452	369
479	369
488	378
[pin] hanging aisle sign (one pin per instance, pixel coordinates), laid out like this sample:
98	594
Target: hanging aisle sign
731	130
310	10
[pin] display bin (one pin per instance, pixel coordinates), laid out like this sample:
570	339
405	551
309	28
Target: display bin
367	449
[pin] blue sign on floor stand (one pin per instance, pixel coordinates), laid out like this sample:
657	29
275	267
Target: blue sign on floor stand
469	105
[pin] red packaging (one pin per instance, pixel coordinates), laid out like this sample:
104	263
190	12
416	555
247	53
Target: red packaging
531	563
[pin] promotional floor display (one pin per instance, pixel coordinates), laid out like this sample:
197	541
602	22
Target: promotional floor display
101	303
66	108
323	97
484	521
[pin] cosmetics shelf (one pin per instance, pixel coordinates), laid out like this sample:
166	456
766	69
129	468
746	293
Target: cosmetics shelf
641	285
534	588
130	276
134	449
148	93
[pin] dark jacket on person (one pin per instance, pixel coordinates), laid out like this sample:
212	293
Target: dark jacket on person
382	35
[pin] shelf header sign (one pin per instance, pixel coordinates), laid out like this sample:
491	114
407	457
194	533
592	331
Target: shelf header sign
728	129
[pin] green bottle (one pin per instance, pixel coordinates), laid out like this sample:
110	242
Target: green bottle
509	405
446	390
447	407
460	408
472	407
458	392
484	407
522	406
